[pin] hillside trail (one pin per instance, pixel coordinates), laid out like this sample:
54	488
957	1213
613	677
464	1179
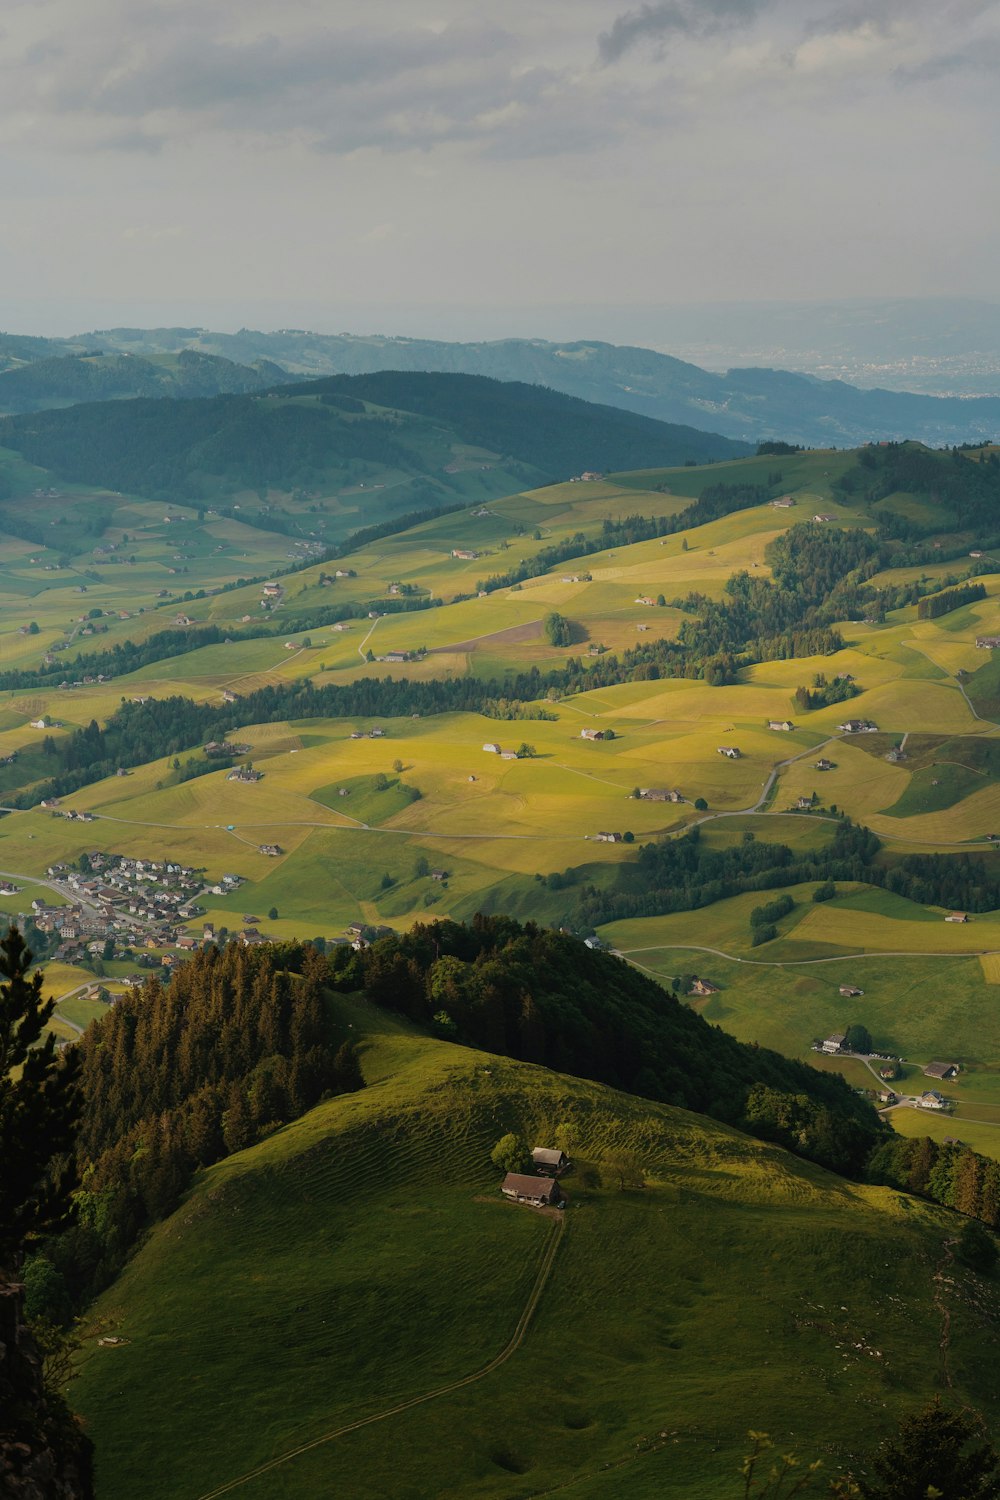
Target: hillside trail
509	1349
940	1280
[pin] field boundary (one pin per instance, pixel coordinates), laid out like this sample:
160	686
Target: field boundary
511	1347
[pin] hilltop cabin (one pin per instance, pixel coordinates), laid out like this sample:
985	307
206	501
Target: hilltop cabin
548	1161
540	1192
932	1100
729	751
823	764
941	1070
703	987
988	642
608	838
784	724
835	1043
491	748
659	794
592	734
957	916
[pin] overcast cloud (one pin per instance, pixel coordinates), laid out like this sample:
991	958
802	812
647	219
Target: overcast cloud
228	156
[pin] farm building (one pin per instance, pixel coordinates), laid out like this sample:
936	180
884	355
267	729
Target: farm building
508	755
988	642
941	1070
272	591
783	724
957	916
548	1161
804	804
465	553
491	748
659	794
858	726
887	1096
835	1043
591	734
703	987
244	774
729	751
822	515
850	990
520	1188
439	874
270	849
932	1100
645	599
783	502
608	838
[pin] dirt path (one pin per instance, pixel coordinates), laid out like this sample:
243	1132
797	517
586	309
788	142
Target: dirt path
940	1280
510	1348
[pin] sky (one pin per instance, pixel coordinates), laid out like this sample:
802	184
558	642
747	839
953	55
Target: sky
447	166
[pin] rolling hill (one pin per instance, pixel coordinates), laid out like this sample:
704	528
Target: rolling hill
349	1305
745	403
95	376
414	426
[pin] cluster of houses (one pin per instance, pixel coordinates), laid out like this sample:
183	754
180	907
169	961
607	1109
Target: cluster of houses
375	733
539	1189
492	748
988	642
659	794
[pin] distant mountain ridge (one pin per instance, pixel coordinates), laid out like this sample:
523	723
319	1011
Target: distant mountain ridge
417	430
745	404
66	379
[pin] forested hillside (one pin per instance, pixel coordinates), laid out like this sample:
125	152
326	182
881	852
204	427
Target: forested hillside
299	435
68	379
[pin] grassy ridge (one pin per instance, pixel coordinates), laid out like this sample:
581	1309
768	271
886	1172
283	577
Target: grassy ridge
366	1254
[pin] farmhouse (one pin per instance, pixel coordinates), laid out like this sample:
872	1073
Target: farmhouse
396	656
244	774
466	554
887	1096
850	990
608	838
346	573
783	724
548	1161
703	987
591	734
941	1070
804	804
659	794
957	916
889	1073
645	599
520	1188
858	726
932	1100
270	849
896	754
508	755
729	751
491	748
823	516
988	642
835	1043
272	591
783	502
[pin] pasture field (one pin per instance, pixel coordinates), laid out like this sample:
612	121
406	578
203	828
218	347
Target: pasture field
502	833
368	1251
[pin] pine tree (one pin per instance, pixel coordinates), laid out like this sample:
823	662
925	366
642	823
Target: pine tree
931	1455
39	1109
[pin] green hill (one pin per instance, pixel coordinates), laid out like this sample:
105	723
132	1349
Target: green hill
64	380
388	427
361	1258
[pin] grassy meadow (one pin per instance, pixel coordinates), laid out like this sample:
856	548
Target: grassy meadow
366	1251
